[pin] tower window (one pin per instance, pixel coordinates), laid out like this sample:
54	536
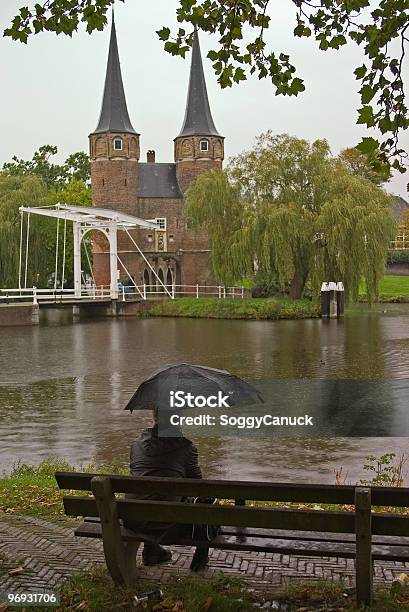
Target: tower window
161	223
204	145
118	144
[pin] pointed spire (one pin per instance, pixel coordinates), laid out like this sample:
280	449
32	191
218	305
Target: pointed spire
114	112
198	118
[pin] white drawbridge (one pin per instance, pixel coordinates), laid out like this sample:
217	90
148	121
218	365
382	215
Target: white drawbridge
85	220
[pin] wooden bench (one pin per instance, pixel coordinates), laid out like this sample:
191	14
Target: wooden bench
362	535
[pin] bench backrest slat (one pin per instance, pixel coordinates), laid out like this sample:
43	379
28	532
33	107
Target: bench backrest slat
260	491
390	524
177	512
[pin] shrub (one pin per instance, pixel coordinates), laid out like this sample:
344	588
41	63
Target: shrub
398	256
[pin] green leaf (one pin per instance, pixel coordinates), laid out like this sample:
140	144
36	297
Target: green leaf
360	72
366	116
368	145
367	93
239	75
213	55
385	125
164	33
299	30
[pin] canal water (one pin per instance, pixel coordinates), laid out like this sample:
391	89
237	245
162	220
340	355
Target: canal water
63	386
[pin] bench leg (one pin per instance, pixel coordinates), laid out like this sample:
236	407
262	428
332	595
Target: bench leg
131	549
363	562
119	556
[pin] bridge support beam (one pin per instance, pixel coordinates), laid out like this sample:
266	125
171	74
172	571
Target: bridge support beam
77	258
113	258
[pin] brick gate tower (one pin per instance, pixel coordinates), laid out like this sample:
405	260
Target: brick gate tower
199	146
151	190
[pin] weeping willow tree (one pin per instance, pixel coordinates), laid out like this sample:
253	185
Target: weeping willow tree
291	210
16	191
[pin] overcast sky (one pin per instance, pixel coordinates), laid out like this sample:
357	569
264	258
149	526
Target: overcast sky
52	88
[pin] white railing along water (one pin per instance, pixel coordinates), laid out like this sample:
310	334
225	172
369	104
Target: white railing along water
104	292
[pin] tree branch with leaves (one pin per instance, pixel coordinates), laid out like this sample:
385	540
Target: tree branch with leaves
380	28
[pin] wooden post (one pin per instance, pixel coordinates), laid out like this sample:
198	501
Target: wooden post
120	557
363	561
240	531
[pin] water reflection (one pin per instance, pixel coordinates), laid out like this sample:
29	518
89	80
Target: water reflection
63	386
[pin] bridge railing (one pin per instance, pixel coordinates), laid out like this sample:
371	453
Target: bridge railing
35	295
175	291
98	292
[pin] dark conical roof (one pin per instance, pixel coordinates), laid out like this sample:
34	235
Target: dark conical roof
198	118
114	112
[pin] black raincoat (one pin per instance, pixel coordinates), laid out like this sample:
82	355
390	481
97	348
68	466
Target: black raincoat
164	457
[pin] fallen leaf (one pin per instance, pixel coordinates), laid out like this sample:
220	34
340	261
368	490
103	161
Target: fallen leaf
166	604
403	578
16	571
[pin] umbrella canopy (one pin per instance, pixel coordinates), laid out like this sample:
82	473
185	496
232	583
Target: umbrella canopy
155	391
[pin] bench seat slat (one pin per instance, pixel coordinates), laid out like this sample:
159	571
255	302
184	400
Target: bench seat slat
310	548
91	525
312	535
261	491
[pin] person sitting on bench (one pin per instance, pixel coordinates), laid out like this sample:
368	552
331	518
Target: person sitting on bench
171	457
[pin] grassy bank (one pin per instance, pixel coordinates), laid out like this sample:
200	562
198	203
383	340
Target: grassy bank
95	592
32	490
247	308
392	289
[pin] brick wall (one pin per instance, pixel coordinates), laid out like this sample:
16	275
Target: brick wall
115	184
188	170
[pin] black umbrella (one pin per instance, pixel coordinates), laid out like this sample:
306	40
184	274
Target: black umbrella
155	391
